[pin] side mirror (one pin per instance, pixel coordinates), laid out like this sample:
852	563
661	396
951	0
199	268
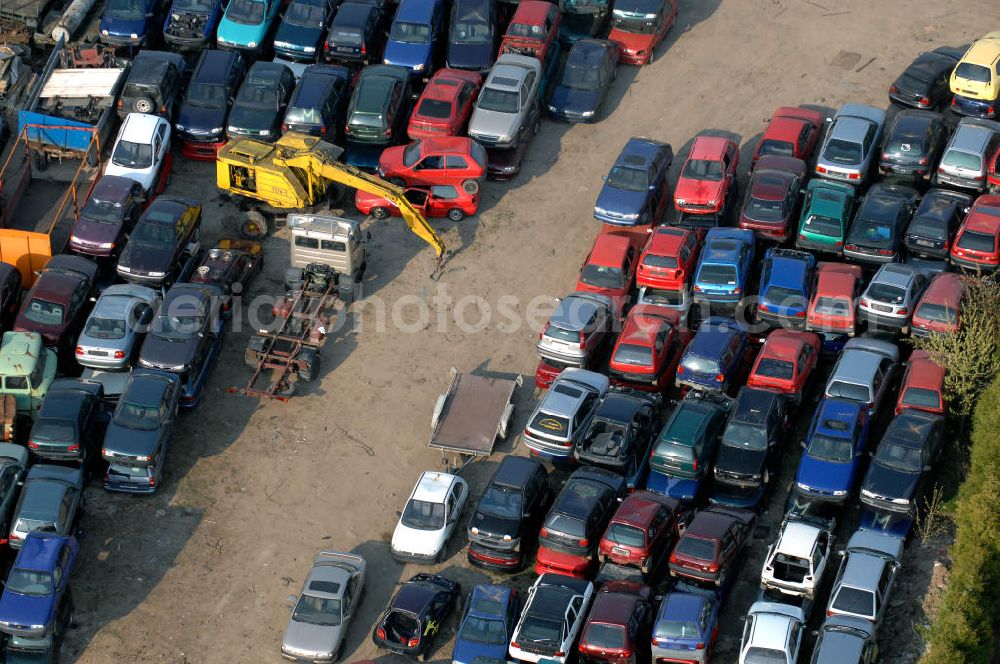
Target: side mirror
291	603
828	120
802	444
604	178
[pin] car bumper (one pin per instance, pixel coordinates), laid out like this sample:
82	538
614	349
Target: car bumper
493	559
141	279
186	43
577	571
908	101
959	181
776	232
550	451
57	455
122	40
571	116
639	57
571	359
702	387
883	321
24	632
972	266
662	654
201	150
102	362
790	589
897	169
299	659
296	55
93	252
410	557
886	505
864	257
398	649
822	496
835	248
696	574
747	496
129	487
933	252
779	320
714	300
975	107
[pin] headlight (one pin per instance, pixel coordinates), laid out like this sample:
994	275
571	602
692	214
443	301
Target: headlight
106	245
587	114
553	109
900	501
474	530
838	494
124	268
218	130
264	132
309	49
134	36
681	201
180	127
630	217
713	203
418	68
142	458
104	33
38	627
281	44
755	477
868	494
252	44
804	487
232	129
156	274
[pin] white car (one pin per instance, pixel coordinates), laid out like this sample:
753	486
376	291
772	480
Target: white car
551	619
429	517
772	634
796	562
141	149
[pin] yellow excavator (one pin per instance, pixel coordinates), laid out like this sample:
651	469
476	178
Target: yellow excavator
302	172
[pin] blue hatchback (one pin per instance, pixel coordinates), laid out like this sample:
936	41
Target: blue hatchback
635	192
713	360
786	284
686	628
724	266
414	36
485	631
474	35
129	22
833	448
36	584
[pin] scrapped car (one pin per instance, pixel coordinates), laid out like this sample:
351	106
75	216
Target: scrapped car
723	272
771	205
708	182
785	363
561	418
794	565
533	30
643	531
964	162
70	425
323	610
667	262
504	116
246	24
37	584
937	311
445	105
154	84
414	36
935	222
56	305
826	211
191	24
50	501
578	95
618	624
442	200
864	372
850	145
260	103
686	628
141	152
866	577
835	299
551	619
876	233
300	33
639	27
230	266
474	34
108	217
715	357
163	243
129	22
376	115
791	132
357	34
772	633
412	621
454	160
976	243
636	191
845	640
648	349
201	119
115	328
508	515
484	633
578	329
787	279
712	545
891	297
319	101
924	83
13	467
609	269
975	81
620	435
913	144
831	461
429	517
27	368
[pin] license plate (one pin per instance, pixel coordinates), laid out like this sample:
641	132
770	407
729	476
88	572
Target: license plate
617	550
345	49
924	243
98	353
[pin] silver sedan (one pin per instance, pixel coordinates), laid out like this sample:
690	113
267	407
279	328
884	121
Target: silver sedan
115	327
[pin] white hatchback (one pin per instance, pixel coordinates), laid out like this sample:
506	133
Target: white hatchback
429	517
141	150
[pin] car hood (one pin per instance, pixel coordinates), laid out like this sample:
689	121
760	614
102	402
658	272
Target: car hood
616	202
144	177
889	482
119	26
825	475
297	35
466	651
682	488
477	57
422	542
575	101
309	639
198	117
26	610
158	352
144	258
182	20
406	55
493	123
134	442
698	191
240	33
740	460
631	41
253	119
496	526
96	231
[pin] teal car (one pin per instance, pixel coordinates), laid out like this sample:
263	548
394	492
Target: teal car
826	213
246	25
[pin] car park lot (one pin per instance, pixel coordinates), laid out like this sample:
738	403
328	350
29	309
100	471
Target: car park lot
201	571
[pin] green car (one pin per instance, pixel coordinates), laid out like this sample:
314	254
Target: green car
27	368
826	213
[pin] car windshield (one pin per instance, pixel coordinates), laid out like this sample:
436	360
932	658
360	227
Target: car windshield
535	629
195	6
696	547
471	32
938	313
156	235
247	12
883	292
105	328
755	655
977	241
483	630
258	93
133	155
206	95
777	148
830	448
625	535
498	101
103	211
745	436
603	276
632	179
785	297
438	109
411	33
959	159
502	502
821	225
703	169
603	635
901	457
137	416
833	306
634	354
581	77
713	274
411	154
973	72
423	515
29	582
700	364
304	15
44	313
317	610
635	25
854	601
842	152
764	210
125	10
177	328
921	397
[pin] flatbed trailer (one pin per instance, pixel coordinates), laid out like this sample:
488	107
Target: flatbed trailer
472	415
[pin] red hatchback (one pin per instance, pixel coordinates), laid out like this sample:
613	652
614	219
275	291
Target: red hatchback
785	362
937	310
456	160
643	531
923	386
639	31
975	246
533	29
712	544
834	302
668	259
443	200
618	627
708	179
610	269
791	132
445	105
648	349
772	201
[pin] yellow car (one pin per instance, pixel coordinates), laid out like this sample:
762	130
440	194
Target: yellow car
975	82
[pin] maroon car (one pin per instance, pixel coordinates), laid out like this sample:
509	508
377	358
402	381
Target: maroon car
642	531
618	627
108	217
771	206
56	306
712	544
230	265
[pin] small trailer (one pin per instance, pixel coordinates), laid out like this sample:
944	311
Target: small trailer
471	415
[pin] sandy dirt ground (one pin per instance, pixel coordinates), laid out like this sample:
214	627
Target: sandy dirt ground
201	571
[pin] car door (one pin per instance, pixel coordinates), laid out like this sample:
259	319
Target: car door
349	595
573	620
821	555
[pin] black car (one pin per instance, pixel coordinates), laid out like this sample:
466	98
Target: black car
876	233
201	120
509	513
380	105
474	35
924	84
13	467
902	462
934	223
913	144
746	456
51	500
303	25
591	66
71	421
10	295
413	618
319	101
153	85
620	435
159	250
357	34
260	104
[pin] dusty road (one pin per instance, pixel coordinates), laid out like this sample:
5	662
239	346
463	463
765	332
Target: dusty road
200	572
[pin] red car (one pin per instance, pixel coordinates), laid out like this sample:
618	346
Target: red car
643	531
785	362
638	30
708	179
456	160
56	306
533	29
975	246
445	105
791	132
923	386
668	259
610	268
712	544
993	172
937	310
834	302
619	624
648	349
771	205
443	200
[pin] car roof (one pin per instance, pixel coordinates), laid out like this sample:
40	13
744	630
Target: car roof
911	428
642	325
149	65
913	121
970	137
884	544
506	77
619	407
266	69
850	128
927	65
856	366
788	271
861	111
531	11
213	65
490	593
576	309
15	346
784	344
145	388
979	219
433	486
54	286
944	288
838	410
639	508
667	240
939	204
588	52
753	404
709	524
784	126
770	184
40	551
839	646
609	249
770	630
112	188
564	397
721	248
984	51
579	497
836	278
327	581
638	151
894	274
514	471
139	127
353	14
682	607
62	404
613	608
311	90
413	596
711	148
797	539
710	341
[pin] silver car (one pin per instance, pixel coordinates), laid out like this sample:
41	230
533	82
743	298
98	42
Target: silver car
851	143
561	418
891	296
579	326
507	107
772	633
964	161
864	371
116	326
866	577
322	613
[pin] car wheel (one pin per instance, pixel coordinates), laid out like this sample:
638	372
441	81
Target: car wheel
254	226
399	182
143	105
471	187
379	213
456	214
340	650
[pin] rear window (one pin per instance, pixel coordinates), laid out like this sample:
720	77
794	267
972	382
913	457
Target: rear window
938	313
785	297
972	72
554	425
696	547
921	397
664	297
855	601
652	260
677	629
757	655
842	152
833	306
367	119
625	535
634	354
883	292
700	364
602	635
713	274
566	525
775	368
559	333
959	159
822	225
852	391
974	241
435	108
350	36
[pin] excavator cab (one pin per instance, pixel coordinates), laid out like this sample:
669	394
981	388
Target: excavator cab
242	178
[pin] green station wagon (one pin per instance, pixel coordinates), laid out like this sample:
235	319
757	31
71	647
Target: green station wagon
826	213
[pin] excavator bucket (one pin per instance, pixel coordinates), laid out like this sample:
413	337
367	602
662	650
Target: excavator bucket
27	251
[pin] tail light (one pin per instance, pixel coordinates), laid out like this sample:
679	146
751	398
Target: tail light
820	169
854	176
893	89
388	132
322	130
800	314
885	252
152	481
680	369
364	50
15	536
694	464
762	307
865	302
737	290
584	542
712	567
990	110
699	646
79	350
559	653
903	311
583	340
544	532
347	129
163	109
829	613
851	247
119	355
544	330
673	558
886	155
515	644
802	236
719	378
32	444
119	104
284	126
954	102
925	101
414	642
838	243
73	448
381	633
923	161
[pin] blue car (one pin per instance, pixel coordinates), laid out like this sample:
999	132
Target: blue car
246	24
36	584
787	279
723	267
302	29
578	95
190	24
686	627
715	357
414	36
130	22
636	192
474	35
491	614
831	461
